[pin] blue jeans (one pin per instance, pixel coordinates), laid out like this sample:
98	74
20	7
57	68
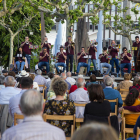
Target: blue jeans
69	57
94	63
116	63
82	64
60	64
125	65
105	65
18	65
41	64
28	56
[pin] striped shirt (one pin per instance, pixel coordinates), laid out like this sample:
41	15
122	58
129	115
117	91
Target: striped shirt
33	128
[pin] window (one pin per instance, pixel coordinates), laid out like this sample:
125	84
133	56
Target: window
107	44
54	27
96	27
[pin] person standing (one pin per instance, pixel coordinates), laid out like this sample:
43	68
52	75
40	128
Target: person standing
92	50
125	61
114	52
136	46
70	53
46	44
61	57
104	61
43	60
82	61
27	49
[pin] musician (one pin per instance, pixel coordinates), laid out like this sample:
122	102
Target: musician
104	61
62	56
46	44
69	46
26	47
43	60
82	61
113	51
137	45
92	49
125	61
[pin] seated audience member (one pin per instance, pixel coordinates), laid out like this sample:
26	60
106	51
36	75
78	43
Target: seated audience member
136	84
51	94
70	79
99	109
111	93
51	76
20	59
131	100
125	84
2	82
35	84
63	76
9	90
11	73
138	75
61	58
12	68
60	106
33	127
44	60
114	83
79	95
4	73
92	80
40	79
26	83
23	73
135	127
95	131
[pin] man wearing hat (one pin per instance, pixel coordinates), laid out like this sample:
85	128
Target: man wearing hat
23	74
61	58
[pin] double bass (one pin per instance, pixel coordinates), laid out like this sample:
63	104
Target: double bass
137	65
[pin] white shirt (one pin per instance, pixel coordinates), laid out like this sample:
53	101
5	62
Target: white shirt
79	95
14	104
71	80
35	86
34	128
6	93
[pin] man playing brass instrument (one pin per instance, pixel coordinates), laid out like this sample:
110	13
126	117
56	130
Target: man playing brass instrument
113	50
104	61
135	48
125	61
61	57
92	50
70	46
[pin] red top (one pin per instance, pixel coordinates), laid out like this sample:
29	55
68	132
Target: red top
92	52
26	48
61	57
136	45
47	46
103	59
45	59
125	59
82	59
70	48
113	52
74	87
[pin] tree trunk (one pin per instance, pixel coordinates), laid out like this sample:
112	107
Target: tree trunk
43	32
11	48
68	28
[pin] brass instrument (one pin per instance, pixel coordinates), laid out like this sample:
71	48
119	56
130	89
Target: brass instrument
116	46
94	44
72	44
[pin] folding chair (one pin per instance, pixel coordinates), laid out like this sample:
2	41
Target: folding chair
62	118
138	133
116	106
125	130
16	117
79	105
124	90
43	92
123	97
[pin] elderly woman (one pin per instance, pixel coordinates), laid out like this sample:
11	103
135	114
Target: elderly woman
60	106
136	84
2	82
125	84
51	94
35	84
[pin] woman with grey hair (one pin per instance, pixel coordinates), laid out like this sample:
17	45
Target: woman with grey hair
2	82
60	106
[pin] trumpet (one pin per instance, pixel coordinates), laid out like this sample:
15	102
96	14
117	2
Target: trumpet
94	44
104	54
116	46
